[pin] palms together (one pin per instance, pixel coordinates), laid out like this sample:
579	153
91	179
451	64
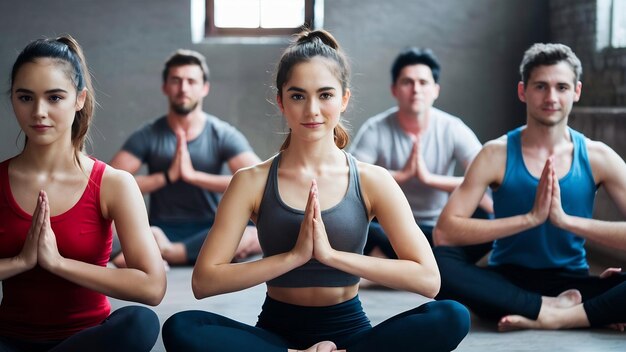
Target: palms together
312	239
40	246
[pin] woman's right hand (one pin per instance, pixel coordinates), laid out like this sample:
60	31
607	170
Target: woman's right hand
304	245
28	255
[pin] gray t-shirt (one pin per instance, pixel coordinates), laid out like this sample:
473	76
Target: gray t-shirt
446	141
155	145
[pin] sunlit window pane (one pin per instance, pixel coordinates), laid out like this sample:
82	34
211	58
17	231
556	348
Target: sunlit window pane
282	13
619	24
237	13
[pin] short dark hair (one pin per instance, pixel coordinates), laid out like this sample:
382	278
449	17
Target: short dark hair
182	57
541	54
413	56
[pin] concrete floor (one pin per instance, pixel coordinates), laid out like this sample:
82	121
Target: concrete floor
380	304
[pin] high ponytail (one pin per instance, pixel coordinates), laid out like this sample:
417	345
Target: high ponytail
65	50
307	45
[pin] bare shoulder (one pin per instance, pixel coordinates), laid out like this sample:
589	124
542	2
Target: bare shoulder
253	174
598	149
376	184
492	153
373	174
248	184
115	179
604	161
496	146
118	191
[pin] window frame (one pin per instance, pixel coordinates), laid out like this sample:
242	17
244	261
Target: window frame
210	30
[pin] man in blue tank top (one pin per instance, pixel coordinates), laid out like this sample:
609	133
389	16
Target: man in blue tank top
544	177
185	152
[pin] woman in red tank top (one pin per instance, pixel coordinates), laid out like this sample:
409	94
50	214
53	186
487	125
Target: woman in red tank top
56	209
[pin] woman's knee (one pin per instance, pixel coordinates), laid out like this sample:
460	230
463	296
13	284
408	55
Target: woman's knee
138	326
453	319
179	325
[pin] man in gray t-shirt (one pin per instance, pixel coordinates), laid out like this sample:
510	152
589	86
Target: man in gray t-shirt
419	144
185	152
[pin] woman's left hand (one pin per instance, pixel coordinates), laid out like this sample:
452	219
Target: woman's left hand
48	255
322	250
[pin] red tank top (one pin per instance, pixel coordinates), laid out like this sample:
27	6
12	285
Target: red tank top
36	304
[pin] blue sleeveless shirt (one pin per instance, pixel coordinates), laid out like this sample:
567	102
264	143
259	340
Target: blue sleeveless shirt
544	246
346	224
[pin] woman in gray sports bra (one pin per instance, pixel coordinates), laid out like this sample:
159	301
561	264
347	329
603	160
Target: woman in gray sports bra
312	204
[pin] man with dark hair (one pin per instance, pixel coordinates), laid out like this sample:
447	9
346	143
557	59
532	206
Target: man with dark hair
419	144
185	152
544	177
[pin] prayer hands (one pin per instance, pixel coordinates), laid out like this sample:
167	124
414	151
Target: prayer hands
312	239
548	198
181	167
29	251
415	165
41	245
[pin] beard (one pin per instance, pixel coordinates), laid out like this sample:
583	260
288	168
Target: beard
184	109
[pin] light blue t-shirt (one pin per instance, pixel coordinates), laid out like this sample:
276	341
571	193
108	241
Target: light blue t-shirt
446	142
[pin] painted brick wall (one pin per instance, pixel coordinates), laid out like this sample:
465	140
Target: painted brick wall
583	25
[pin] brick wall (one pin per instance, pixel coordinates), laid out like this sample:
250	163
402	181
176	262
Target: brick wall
583	25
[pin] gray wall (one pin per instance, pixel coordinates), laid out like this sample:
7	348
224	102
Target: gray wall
479	42
583	25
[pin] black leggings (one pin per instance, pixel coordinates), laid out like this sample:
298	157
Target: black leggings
494	292
434	326
376	237
128	329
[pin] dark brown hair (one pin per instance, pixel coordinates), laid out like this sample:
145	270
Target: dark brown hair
309	44
69	54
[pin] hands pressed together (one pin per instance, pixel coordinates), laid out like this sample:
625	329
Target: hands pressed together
312	239
40	246
181	167
415	165
548	198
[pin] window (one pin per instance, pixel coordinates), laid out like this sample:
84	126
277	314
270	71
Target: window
611	24
254	18
618	24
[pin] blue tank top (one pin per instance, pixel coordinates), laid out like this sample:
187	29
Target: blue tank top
346	224
544	246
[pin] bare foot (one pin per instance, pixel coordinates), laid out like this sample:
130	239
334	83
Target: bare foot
516	322
550	318
566	299
173	253
324	346
249	244
119	260
162	241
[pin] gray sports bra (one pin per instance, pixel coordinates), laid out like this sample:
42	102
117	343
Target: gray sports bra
346	224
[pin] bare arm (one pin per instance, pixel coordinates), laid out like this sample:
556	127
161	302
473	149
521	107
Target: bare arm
416	269
27	258
219	183
214	273
126	161
144	279
609	170
455	227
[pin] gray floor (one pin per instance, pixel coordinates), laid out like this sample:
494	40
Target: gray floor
380	304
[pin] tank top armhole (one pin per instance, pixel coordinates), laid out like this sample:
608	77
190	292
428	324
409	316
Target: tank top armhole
95	181
512	153
581	154
355	181
270	184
